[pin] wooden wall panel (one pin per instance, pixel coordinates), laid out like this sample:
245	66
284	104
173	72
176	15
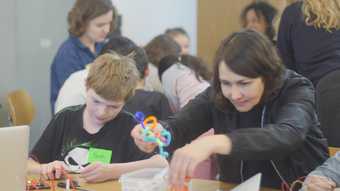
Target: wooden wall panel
216	20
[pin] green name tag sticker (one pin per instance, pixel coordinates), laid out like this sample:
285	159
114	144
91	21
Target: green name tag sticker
99	155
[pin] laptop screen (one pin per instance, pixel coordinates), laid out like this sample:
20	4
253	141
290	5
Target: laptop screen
14	155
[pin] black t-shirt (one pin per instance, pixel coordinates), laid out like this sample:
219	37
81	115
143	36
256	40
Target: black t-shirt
252	119
150	103
66	138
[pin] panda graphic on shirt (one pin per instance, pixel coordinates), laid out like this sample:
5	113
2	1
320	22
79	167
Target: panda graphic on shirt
77	158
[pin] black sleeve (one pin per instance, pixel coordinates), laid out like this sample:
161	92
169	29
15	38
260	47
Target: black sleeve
287	131
284	39
194	119
44	149
163	107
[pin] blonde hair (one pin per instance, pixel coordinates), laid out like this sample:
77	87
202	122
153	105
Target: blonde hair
113	77
322	13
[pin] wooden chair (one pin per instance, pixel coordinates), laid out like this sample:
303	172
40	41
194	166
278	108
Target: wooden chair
21	107
333	150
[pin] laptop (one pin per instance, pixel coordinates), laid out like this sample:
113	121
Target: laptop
13	159
252	184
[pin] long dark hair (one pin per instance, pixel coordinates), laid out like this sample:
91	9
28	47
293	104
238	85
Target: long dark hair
251	54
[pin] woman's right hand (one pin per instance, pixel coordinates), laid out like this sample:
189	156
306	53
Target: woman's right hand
136	133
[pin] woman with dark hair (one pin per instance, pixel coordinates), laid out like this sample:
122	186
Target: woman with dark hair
259	16
89	23
263	116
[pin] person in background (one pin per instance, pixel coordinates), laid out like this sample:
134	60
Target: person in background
309	38
263	116
73	92
183	78
309	43
89	23
259	16
159	47
93	139
181	37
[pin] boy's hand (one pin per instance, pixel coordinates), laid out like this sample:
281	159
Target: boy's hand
316	183
136	133
53	170
96	172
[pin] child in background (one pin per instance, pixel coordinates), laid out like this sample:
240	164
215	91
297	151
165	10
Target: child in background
183	78
181	37
159	47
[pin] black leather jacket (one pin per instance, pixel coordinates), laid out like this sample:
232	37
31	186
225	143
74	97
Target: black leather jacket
290	138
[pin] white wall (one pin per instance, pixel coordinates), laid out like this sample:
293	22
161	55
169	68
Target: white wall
143	20
7	54
40	27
